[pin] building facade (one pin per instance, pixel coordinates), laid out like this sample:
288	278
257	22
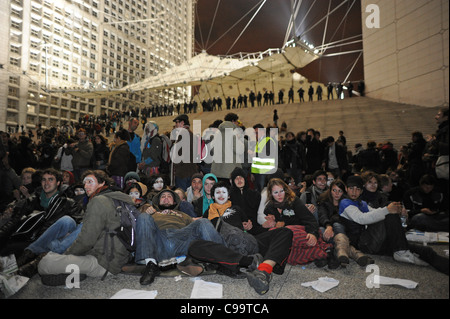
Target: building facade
52	48
406	57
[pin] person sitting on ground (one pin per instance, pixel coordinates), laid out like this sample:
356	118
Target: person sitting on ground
137	191
185	206
129	178
246	198
380	231
68	180
49	199
273	249
156	184
222	208
201	204
371	193
385	186
195	190
333	230
312	193
427	207
88	250
284	209
26	188
164	232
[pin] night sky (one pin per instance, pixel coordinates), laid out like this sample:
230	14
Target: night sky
268	30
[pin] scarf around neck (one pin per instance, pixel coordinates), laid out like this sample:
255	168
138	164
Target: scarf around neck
217	210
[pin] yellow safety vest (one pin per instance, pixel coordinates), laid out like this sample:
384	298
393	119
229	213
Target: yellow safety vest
262	165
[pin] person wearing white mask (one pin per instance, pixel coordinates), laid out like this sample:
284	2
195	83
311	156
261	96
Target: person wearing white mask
156	184
137	192
223	208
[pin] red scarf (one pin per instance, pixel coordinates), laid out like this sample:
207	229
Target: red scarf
98	191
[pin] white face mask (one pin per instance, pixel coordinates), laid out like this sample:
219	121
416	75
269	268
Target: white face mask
159	184
135	195
79	191
329	181
221	195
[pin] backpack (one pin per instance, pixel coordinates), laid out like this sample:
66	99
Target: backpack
126	232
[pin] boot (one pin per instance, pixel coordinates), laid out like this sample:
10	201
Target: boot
333	262
341	248
25	258
360	258
30	269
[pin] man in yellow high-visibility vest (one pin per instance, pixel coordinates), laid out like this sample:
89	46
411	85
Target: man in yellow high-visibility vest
265	157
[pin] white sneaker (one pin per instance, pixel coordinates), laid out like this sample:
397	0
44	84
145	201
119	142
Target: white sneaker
407	256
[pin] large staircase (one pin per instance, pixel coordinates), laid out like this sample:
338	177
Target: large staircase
361	119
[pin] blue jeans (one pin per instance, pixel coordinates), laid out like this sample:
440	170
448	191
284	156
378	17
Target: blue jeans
57	238
161	244
338	228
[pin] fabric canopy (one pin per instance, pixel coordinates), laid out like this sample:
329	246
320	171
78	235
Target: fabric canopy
230	73
222	76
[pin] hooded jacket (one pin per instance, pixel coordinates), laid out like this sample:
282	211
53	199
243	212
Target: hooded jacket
170	218
247	199
100	216
201	204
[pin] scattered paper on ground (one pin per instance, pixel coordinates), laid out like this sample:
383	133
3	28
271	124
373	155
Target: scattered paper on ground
427	237
10	282
206	290
135	294
322	284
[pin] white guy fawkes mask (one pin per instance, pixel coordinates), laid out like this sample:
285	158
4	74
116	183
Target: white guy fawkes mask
221	195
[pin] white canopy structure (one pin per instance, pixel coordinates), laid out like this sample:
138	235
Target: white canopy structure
231	76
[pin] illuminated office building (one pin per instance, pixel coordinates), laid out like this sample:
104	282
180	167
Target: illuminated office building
52	48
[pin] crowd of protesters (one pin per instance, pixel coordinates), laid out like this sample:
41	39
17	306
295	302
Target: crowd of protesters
299	196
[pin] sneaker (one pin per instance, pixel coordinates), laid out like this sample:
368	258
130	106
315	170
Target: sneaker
407	256
257	259
168	264
189	267
149	274
59	279
259	280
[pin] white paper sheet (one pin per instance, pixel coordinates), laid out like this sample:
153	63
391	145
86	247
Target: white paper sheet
135	294
206	290
322	284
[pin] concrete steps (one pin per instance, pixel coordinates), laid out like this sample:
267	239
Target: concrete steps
360	118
